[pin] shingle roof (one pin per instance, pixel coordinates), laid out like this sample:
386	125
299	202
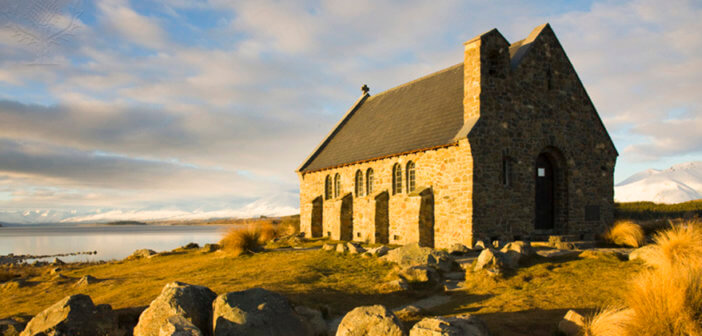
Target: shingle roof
424	113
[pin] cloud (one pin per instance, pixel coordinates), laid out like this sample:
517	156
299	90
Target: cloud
135	28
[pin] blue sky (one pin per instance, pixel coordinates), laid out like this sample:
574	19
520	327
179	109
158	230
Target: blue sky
180	109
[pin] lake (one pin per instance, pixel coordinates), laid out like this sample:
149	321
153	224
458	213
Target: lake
110	242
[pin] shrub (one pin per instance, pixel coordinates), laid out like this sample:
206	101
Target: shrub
242	240
267	232
625	232
608	322
665	299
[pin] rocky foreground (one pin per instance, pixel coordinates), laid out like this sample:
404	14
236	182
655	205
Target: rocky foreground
185	309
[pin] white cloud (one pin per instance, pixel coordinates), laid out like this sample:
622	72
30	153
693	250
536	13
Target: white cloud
136	28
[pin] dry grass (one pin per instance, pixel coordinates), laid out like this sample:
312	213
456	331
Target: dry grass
625	233
608	322
248	239
667	298
5	276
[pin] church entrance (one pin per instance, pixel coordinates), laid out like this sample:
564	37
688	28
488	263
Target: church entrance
545	187
346	218
316	222
426	218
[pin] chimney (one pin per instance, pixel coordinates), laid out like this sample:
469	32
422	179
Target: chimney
485	63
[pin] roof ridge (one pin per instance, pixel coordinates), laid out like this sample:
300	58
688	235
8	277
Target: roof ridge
416	80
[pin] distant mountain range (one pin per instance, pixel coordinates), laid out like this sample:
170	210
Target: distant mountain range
276	205
679	183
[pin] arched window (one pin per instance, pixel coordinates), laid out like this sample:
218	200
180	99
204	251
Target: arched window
369	181
359	183
411	180
327	188
337	185
396	179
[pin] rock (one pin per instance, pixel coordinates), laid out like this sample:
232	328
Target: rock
379	251
564	246
479	245
521	247
571	324
142	253
354	249
489	259
208	248
458	248
370	321
342	248
86	280
314	318
10	327
57	262
190	246
75	315
511	258
189	301
643	253
421	278
328	247
413	255
177	325
55	270
396	285
557	253
498	244
255	312
455	276
462	325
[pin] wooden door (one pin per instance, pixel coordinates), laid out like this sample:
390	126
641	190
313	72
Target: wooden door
544	193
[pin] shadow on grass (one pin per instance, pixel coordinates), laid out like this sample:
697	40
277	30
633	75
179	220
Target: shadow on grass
536	322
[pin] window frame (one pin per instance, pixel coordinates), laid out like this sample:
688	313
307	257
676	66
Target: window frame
328	187
369	181
411	176
358	183
396	179
337	185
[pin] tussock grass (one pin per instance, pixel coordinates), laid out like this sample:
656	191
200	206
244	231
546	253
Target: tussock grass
665	299
625	233
608	322
249	239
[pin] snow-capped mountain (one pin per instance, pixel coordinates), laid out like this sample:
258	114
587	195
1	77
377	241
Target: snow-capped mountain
275	205
679	183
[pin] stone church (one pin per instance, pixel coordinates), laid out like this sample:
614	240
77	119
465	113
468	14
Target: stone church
504	145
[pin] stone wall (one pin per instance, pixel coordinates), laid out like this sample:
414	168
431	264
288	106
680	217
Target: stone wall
537	106
446	172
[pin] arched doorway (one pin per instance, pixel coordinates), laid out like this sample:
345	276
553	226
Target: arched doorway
346	218
382	220
545	186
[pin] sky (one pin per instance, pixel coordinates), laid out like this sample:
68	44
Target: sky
116	109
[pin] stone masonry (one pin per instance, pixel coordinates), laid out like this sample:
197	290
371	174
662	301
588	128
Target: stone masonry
521	101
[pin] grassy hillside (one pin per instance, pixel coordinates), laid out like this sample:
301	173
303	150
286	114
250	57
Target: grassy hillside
651	211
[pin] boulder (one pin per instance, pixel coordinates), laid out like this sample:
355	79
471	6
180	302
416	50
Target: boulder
86	280
342	248
521	247
354	248
396	285
498	244
479	245
378	251
422	278
58	262
314	319
10	327
177	325
572	323
643	253
490	259
75	315
193	303
208	248
458	248
370	321
462	325
257	312
413	255
142	253
190	246
328	247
